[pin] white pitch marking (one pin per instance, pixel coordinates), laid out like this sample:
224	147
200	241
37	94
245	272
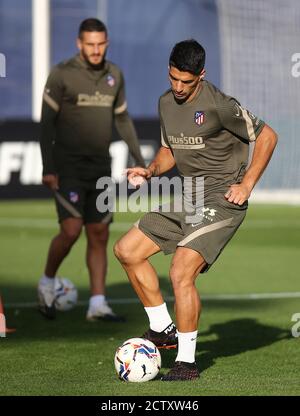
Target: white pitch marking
126	301
123	226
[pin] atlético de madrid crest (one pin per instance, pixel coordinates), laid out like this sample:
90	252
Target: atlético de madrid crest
74	197
199	117
110	80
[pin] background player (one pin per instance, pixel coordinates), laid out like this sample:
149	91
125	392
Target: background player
83	97
206	134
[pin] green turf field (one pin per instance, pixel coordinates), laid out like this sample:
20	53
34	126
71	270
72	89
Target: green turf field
245	346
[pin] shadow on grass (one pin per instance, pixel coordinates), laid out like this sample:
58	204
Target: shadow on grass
20	293
229	338
232	338
20	304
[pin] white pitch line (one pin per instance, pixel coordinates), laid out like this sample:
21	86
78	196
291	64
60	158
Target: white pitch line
50	224
123	226
128	301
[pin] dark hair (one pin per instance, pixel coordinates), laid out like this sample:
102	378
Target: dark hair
188	56
91	25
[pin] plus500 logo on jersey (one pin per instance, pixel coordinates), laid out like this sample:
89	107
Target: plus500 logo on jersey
186	142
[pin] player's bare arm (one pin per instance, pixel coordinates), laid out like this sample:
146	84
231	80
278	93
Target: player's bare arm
51	181
263	150
162	162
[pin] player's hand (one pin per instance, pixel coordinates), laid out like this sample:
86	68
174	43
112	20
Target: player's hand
238	194
137	176
51	181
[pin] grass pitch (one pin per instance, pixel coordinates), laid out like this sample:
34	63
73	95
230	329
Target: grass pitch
245	346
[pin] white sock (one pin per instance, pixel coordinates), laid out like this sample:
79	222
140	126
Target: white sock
159	317
47	281
96	301
186	346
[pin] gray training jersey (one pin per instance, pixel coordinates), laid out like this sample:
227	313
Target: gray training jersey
86	101
209	136
80	106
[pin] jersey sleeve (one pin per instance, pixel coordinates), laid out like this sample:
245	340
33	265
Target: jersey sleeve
120	104
163	135
163	140
52	98
237	119
53	92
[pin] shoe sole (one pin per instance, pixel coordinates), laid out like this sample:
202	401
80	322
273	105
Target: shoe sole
180	379
167	347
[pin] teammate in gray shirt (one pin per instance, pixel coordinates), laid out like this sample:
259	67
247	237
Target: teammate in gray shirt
84	96
206	134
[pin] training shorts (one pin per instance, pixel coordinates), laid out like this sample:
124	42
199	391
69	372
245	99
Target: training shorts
219	220
81	195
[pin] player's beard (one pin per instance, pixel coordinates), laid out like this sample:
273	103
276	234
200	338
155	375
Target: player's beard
94	66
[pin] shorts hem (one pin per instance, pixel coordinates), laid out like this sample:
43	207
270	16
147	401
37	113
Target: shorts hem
157	242
204	256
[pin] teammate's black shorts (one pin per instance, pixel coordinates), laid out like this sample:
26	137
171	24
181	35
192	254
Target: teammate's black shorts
82	196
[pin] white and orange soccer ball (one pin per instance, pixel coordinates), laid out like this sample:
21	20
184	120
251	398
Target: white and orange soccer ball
137	360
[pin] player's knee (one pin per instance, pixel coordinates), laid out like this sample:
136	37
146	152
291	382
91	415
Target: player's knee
70	234
124	253
98	235
180	278
183	274
121	252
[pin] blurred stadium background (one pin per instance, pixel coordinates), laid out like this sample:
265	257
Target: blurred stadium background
253	54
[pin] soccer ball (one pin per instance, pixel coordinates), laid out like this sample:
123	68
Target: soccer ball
137	360
65	294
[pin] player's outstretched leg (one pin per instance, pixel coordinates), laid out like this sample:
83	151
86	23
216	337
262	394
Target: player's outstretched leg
133	251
